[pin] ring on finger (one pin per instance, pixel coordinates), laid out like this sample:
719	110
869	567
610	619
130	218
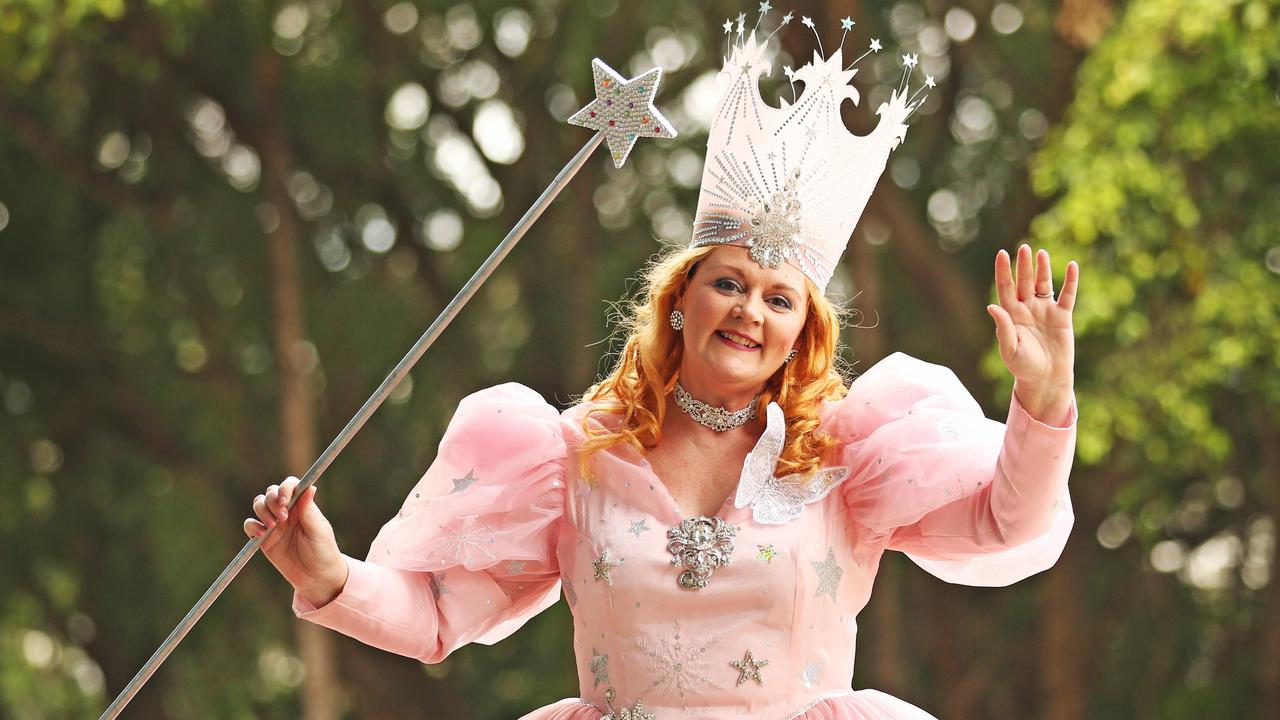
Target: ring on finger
1044	294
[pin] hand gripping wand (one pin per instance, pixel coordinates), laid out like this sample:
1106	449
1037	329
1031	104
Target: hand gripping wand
621	113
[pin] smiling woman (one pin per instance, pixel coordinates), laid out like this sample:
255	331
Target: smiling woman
716	507
722	293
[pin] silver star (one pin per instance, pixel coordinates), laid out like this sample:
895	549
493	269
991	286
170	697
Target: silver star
875	45
599	667
807	22
728	26
928	80
812	671
829	573
847	24
604	566
910	60
786	19
638	527
516	567
791	74
765	7
623	110
742	23
749	668
464	482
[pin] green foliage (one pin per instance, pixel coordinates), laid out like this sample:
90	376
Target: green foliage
1164	183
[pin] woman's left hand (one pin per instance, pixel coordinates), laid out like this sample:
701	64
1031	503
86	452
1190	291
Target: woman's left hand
1037	342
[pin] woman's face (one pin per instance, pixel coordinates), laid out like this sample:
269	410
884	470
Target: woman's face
741	319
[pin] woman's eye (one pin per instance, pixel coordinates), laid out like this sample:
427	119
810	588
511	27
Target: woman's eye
726	284
781	302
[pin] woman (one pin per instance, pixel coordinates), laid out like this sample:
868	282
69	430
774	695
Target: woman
775	523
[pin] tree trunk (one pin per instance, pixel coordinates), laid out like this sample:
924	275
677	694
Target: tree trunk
1268	677
1062	652
296	401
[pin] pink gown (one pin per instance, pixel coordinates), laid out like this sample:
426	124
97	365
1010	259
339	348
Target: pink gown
502	522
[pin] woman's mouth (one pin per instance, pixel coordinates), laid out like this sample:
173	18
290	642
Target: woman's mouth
737	341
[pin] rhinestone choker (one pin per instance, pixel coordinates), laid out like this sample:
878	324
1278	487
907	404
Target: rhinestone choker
716	418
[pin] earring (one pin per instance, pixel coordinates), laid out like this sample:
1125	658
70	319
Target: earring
677	320
791	355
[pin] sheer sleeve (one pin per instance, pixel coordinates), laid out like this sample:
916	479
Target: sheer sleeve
971	500
471	554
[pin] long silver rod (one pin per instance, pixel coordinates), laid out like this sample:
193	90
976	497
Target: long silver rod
370	405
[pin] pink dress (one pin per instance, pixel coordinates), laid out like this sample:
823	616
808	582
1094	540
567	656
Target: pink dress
750	614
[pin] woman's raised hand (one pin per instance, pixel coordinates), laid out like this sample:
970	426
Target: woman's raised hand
1037	342
302	546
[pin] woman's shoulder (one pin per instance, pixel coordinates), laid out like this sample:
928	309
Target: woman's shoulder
891	389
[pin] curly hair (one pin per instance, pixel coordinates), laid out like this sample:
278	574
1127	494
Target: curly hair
645	371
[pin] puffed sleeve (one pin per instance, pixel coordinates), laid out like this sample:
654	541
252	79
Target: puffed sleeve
471	554
971	500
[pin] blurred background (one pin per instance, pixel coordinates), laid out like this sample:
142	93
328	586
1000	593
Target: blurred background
222	223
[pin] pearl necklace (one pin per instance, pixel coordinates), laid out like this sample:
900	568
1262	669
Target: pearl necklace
710	416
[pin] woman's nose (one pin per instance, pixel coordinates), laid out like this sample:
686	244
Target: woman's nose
753	309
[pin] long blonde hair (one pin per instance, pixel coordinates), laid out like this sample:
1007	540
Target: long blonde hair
645	371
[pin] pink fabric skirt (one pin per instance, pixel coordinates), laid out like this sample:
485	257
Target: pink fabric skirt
857	705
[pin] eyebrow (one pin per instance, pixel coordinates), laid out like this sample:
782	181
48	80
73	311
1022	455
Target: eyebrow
736	270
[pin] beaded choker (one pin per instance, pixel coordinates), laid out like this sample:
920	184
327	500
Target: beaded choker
716	418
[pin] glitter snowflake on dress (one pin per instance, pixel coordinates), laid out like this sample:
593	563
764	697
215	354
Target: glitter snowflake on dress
679	665
467	545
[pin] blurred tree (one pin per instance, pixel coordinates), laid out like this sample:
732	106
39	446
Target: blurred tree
1164	182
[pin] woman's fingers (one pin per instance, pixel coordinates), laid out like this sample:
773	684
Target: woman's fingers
263	512
1067	298
1044	273
1026	277
253	528
1005	291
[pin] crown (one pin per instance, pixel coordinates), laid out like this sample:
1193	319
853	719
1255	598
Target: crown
790	182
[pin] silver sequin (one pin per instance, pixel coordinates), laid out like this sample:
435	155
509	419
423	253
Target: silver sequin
829	573
749	668
604	566
599	667
811	674
464	482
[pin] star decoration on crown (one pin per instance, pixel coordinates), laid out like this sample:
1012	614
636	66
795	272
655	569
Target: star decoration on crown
765	7
623	110
875	45
910	60
830	72
846	23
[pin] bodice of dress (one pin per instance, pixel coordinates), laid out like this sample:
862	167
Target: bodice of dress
502	521
783	608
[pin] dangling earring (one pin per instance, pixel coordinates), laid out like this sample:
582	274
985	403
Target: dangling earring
791	355
677	320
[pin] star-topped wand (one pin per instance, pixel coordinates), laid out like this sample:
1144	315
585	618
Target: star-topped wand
622	112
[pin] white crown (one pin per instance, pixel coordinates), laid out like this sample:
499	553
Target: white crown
790	182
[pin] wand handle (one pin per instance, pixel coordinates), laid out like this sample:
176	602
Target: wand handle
322	463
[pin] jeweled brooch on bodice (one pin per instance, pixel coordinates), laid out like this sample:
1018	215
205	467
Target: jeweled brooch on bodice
700	545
